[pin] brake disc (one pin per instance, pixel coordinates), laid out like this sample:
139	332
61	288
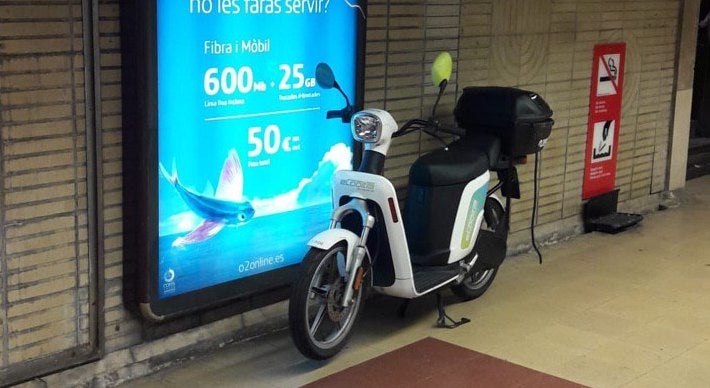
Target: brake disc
336	311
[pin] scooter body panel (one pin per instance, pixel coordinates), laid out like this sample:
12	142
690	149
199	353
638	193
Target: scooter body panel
469	217
402	288
380	190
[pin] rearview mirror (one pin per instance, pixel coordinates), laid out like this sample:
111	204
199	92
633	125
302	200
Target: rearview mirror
441	68
324	76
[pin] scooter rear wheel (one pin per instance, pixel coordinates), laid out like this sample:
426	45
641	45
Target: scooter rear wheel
320	326
476	283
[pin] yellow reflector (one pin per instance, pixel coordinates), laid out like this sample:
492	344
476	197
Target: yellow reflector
441	68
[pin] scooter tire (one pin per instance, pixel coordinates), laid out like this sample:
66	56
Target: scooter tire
476	284
304	291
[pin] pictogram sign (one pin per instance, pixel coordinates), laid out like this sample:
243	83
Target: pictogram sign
604	119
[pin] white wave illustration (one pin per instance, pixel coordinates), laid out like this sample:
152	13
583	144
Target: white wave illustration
310	191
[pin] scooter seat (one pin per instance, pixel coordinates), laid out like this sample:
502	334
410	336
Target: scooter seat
488	144
461	162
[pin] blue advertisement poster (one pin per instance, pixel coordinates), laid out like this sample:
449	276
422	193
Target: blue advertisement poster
245	152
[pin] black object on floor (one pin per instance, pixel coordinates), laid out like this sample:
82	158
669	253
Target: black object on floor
698	157
600	215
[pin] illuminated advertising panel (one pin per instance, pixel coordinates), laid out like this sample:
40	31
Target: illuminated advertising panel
244	157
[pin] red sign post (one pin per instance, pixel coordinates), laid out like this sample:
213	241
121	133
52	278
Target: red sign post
604	119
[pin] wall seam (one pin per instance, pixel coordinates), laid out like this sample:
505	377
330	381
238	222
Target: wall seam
387	56
94	173
674	95
540	153
75	212
565	171
4	351
458	52
630	194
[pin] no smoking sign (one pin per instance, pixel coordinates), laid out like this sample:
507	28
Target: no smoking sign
604	119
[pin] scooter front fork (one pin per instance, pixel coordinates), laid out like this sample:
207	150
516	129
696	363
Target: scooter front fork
359	255
368	222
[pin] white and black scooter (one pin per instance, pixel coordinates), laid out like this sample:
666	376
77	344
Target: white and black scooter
453	230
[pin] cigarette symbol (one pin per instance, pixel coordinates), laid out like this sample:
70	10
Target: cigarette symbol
612	71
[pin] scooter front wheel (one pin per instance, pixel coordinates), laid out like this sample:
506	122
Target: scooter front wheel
320	325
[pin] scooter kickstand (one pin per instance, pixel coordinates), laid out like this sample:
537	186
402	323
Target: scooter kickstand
402	309
441	321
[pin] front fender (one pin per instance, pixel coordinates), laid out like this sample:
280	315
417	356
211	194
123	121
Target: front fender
328	238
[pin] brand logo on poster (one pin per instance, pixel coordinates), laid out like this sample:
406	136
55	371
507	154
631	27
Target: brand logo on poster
169	275
169	281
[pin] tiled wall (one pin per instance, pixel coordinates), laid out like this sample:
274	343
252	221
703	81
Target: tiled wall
44	259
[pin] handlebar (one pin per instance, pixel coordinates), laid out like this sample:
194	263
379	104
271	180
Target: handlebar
344	114
431	126
453	131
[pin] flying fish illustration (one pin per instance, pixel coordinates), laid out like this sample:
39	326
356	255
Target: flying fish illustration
226	208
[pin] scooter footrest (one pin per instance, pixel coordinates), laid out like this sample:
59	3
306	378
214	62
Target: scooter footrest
426	278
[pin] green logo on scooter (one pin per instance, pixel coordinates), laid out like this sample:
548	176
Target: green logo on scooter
477	201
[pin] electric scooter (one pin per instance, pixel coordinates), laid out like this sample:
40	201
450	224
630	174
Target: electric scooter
453	230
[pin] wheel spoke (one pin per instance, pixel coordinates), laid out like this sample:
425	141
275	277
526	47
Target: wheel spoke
317	279
318	320
335	332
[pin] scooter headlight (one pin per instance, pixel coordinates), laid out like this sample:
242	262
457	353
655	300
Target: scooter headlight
366	127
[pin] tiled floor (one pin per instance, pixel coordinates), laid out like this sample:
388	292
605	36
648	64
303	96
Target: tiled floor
626	310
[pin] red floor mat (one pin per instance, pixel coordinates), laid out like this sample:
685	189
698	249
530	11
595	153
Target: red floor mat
434	363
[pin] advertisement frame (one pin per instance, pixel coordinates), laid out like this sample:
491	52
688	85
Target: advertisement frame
140	163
